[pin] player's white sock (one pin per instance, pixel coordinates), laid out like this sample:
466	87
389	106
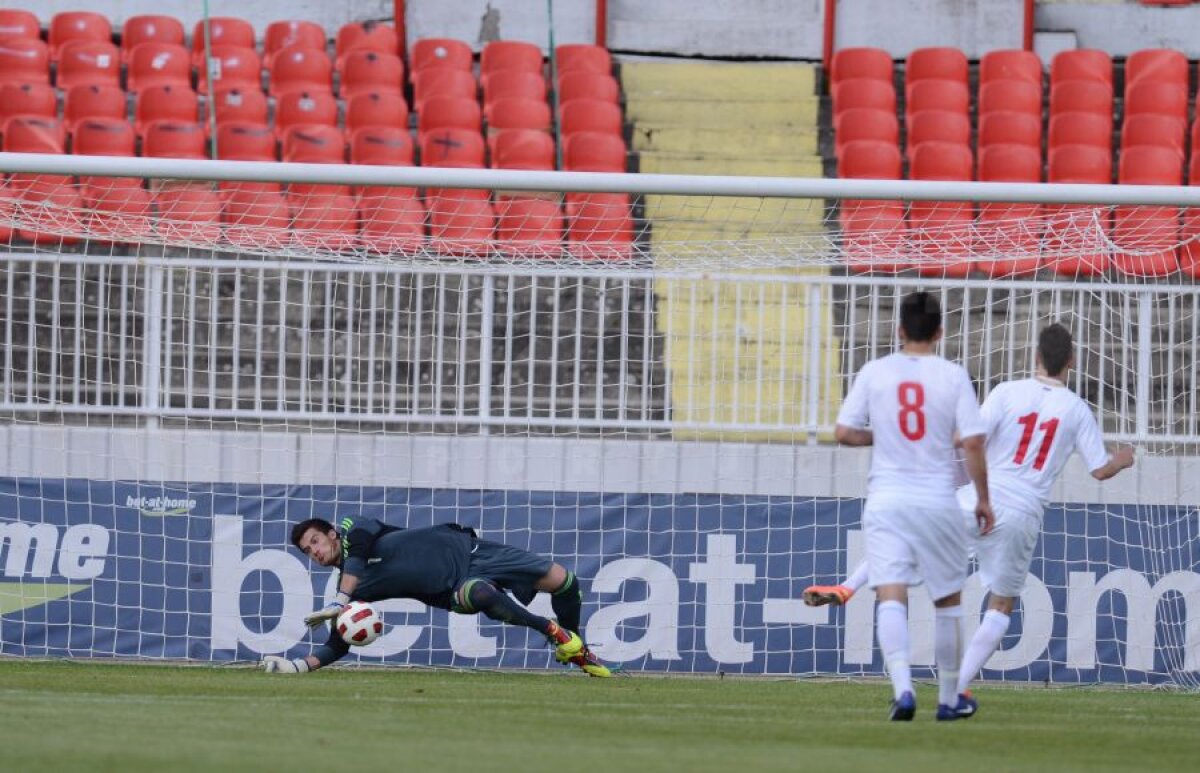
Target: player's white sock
891	628
985	641
858	578
947	651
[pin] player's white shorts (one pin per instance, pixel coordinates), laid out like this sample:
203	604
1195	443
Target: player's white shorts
1005	552
910	541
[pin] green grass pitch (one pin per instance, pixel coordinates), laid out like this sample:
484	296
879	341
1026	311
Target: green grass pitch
77	716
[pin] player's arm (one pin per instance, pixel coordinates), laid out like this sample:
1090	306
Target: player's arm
972	429
1121	459
851	429
333	649
1090	444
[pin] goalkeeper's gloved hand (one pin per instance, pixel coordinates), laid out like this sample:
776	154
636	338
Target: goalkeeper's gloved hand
273	664
328	612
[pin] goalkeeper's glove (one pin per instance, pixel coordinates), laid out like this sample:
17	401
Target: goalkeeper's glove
328	612
273	664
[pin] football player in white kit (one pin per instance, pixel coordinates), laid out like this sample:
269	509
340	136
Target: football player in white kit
1033	426
910	406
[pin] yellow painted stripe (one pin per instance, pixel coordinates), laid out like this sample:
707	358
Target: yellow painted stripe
719	80
738	114
764	143
667	163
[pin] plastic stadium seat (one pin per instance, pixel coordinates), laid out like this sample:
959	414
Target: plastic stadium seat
381	145
582	84
865	123
863	92
1079	164
24	61
34	134
582	57
871	229
1008	236
323	216
863	62
1004	127
1151	96
529	226
1195	138
452	147
938	126
869	160
367	36
188	212
245	142
1145	240
314	145
599	226
449	113
1081	64
1189	253
594	152
590	115
103	137
241	105
1160	65
166	102
523	149
364	71
301	69
938	230
942	161
1081	97
440	53
149	29
172	139
77	25
1075	128
1150	165
286	34
521	114
509	55
376	109
52	201
15	23
514	84
121	209
461	221
940	63
82	63
222	31
234	67
303	108
1011	65
94	102
442	82
27	99
1078	229
1012	95
1154	129
393	220
255	216
937	95
151	64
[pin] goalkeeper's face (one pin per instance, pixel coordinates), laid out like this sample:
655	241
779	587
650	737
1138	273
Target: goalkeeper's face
323	547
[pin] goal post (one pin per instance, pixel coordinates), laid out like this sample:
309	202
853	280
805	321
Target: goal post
636	374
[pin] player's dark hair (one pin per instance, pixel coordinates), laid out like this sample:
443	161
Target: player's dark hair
920	316
1054	347
299	530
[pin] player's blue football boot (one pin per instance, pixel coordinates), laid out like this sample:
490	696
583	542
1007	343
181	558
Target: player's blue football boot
964	709
903	708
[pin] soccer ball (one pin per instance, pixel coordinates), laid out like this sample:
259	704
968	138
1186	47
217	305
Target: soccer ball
359	624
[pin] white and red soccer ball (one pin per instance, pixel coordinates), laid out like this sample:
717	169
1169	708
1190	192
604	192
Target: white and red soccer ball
359	624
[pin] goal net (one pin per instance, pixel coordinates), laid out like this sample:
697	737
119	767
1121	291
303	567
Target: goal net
635	374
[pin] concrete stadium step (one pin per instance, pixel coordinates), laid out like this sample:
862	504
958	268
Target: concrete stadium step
731	114
743	81
744	142
652	162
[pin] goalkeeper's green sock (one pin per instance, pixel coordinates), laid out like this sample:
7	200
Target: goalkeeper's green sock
567	602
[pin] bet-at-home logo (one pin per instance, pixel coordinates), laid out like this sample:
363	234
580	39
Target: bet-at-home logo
160	506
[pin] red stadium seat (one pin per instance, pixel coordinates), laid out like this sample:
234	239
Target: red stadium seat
300	69
461	222
83	63
937	95
1008	236
582	57
938	63
582	84
393	220
939	230
938	126
594	152
441	53
364	71
1160	65
314	145
1079	232
1145	238
452	147
873	232
1011	65
508	55
376	109
166	102
15	23
1189	253
121	209
255	217
520	114
324	217
863	62
1081	97
865	123
863	92
103	137
1150	165
1011	95
599	226
292	33
77	25
1008	128
514	84
245	142
1075	128
443	82
381	145
34	134
1080	164
24	61
1151	96
590	115
523	149
869	160
234	67
222	31
240	105
188	212
1154	129
27	99
529	226
172	139
152	64
1081	64
449	113
367	36
149	29
94	102
303	108
53	208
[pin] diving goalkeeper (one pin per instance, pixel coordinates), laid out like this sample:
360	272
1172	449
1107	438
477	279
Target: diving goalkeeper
445	566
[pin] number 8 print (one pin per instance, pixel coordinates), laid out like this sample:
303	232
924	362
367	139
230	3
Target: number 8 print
911	396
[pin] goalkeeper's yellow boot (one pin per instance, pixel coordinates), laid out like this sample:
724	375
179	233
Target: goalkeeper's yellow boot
820	595
591	665
567	644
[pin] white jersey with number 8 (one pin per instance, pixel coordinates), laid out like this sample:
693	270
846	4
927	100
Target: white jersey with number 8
913	404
